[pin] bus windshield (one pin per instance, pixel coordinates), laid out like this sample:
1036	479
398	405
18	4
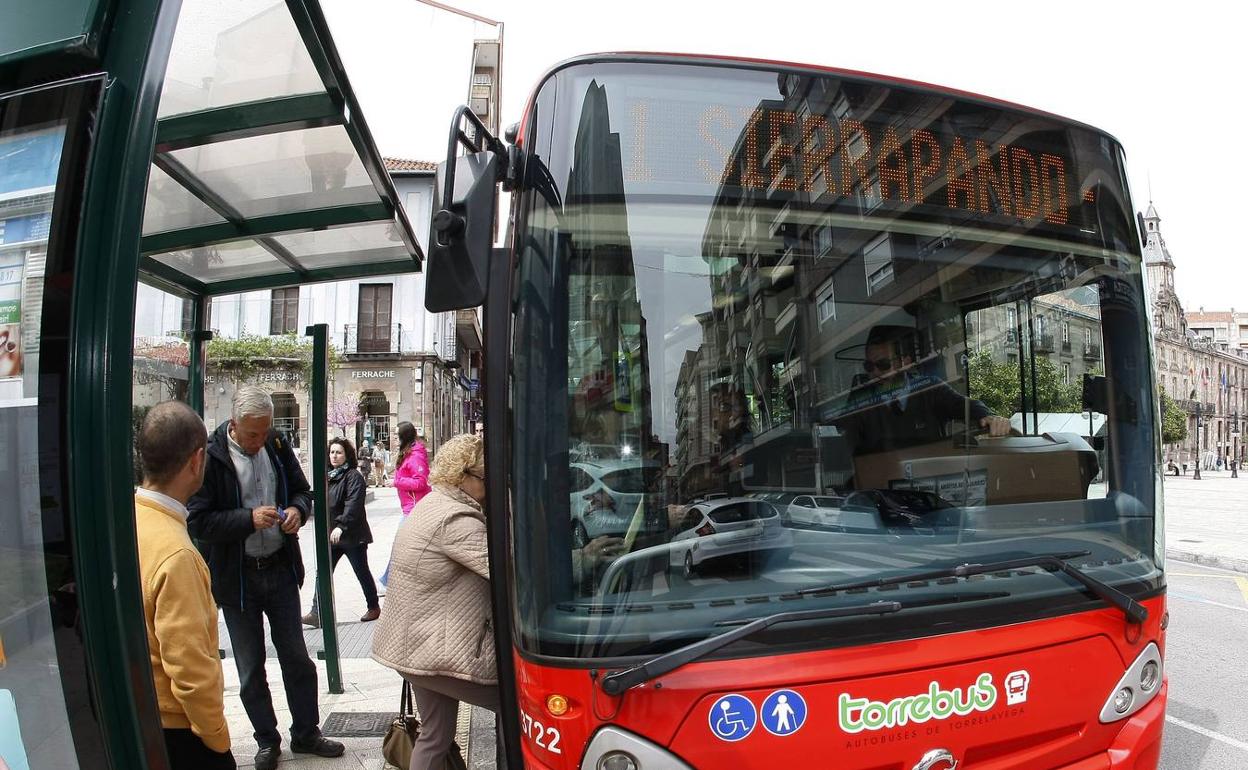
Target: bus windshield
778	329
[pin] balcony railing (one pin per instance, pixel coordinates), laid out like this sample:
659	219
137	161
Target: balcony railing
1091	351
1044	343
375	340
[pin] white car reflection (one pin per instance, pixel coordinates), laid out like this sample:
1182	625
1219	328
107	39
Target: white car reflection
604	495
729	526
814	511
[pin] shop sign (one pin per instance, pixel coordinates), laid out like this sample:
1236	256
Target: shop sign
371	374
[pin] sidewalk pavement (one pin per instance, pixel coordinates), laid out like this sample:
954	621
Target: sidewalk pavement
1207	520
368	686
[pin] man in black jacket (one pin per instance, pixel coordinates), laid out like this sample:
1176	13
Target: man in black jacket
898	408
248	512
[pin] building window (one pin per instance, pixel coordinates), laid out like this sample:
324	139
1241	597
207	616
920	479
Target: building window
823	240
877	260
1066	332
374	317
825	302
284	317
1066	373
420	379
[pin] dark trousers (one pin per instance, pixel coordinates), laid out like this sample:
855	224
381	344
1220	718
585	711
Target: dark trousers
358	556
187	752
272	593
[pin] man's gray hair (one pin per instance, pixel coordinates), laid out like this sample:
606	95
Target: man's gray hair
251	401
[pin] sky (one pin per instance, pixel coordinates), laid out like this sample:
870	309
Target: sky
1163	78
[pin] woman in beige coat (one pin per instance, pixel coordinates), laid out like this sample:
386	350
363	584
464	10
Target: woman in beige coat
437	629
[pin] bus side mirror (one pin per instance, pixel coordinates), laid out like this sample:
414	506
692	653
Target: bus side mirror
1095	394
461	237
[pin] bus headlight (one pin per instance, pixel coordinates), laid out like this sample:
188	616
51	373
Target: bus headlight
1150	676
617	760
615	749
1123	699
1138	686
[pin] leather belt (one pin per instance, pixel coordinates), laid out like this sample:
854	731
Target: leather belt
265	562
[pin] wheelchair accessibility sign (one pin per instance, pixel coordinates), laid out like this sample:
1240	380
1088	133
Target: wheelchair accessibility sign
783	712
732	718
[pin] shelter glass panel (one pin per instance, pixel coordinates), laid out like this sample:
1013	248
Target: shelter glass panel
277	173
44	703
170	206
233	53
224	261
368	243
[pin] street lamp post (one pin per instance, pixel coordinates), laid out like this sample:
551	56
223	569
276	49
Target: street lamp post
1196	476
1235	446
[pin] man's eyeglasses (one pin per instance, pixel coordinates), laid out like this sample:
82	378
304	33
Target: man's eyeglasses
468	472
878	365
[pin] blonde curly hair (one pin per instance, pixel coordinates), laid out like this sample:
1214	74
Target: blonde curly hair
455	458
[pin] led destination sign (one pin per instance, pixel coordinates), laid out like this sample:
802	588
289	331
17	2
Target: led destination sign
766	149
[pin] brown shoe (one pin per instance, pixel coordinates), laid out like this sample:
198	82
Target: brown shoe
312	619
371	615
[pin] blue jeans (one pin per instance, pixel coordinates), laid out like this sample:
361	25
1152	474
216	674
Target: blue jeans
272	593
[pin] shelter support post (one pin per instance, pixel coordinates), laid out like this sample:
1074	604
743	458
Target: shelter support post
320	485
197	364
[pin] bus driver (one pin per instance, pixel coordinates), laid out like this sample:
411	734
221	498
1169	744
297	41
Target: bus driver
898	407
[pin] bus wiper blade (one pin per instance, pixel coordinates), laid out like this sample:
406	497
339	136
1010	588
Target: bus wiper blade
619	681
910	604
1133	610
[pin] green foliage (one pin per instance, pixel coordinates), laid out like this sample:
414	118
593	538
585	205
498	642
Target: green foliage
1173	421
996	383
249	354
137	415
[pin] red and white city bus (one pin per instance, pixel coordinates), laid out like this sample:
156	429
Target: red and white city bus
820	425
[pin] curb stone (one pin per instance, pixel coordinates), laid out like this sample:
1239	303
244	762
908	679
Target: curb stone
1208	560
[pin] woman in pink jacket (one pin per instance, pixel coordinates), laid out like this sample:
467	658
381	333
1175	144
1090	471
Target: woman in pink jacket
411	472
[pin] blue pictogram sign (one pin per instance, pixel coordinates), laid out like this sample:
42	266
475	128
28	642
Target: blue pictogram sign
783	712
732	717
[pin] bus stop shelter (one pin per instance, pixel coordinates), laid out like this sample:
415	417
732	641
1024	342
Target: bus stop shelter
264	175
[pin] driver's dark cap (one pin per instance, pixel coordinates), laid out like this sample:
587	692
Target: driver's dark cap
900	337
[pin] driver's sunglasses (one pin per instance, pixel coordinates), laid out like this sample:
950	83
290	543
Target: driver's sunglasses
879	364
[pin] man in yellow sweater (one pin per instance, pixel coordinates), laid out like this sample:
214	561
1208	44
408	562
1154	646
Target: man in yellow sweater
177	596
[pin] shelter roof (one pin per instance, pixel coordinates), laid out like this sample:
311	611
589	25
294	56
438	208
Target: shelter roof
264	172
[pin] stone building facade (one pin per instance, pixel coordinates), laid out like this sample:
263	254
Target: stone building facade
1202	361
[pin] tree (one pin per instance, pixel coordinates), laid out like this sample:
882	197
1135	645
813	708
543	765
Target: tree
1173	421
996	383
343	412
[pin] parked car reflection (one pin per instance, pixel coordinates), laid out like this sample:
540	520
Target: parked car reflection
898	509
732	526
605	495
814	511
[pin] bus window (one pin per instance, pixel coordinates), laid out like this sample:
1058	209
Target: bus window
692	302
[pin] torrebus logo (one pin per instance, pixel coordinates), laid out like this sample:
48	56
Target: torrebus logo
858	714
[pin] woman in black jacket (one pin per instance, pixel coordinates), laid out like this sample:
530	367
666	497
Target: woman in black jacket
350	534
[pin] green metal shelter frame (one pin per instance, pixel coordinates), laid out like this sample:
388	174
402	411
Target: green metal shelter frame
198	192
